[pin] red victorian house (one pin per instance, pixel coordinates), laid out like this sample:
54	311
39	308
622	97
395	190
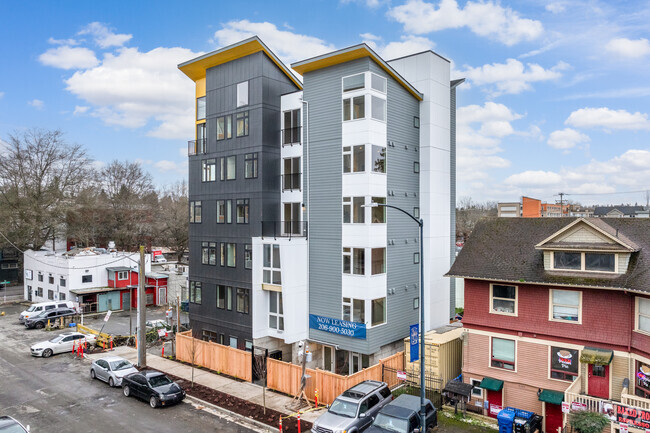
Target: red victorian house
557	316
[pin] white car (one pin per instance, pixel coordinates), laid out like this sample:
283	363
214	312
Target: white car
35	309
111	369
61	343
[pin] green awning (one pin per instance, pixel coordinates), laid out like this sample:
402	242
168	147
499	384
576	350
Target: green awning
491	384
593	355
554	397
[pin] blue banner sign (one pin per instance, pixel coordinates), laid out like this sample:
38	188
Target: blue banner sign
338	326
414	341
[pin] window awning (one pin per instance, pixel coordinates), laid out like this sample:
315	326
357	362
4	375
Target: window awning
594	355
553	397
491	384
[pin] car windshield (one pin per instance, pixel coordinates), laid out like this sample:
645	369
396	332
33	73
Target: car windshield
56	339
344	408
32	308
390	423
13	428
120	365
157	381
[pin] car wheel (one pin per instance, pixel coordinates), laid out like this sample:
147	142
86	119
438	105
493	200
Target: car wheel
39	325
111	383
153	402
126	390
92	373
47	353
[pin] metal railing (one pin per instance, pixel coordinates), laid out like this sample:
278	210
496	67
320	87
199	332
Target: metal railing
636	401
291	136
196	147
291	181
573	394
288	229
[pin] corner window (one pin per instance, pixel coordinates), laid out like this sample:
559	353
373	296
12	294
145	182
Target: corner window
242	124
271	273
378	159
243	301
354	108
242	94
354	82
242	210
195	292
195	211
248	256
378	83
503	299
416	167
565	305
359	310
379	212
250	165
503	353
643	315
86	278
354	261
347	309
276	311
378	108
564	363
347	210
642	382
354	159
208	170
378	311
224	127
200	108
564	260
416	122
358	211
378	261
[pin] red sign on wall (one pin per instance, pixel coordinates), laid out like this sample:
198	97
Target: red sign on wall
633	416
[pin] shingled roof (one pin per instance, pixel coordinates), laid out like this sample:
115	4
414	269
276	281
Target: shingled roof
503	249
625	210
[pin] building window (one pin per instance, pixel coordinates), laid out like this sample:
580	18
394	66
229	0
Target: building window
121	276
643	315
195	292
86	278
416	212
233	342
208	170
200	108
224	211
378	108
347	260
229	298
62	296
231	253
378	312
358	211
228	167
224	127
354	82
354	159
416	122
347	309
378	213
416	303
248	256
271	269
291	174
291	131
242	124
564	260
378	159
276	311
565	305
250	165
243	301
208	336
208	253
503	353
354	108
378	83
359	310
40	277
416	167
62	282
39	292
221	297
50	279
477	391
222	254
378	261
358	261
503	299
242	210
347	210
50	295
242	94
600	262
642	388
564	363
195	211
416	258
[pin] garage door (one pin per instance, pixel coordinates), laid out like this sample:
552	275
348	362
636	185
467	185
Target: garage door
149	298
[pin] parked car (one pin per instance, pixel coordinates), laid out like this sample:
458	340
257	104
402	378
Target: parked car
154	387
111	369
10	425
354	410
60	344
402	416
43	306
159	259
40	320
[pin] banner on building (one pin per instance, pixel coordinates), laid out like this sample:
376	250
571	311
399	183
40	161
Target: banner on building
337	326
633	416
495	409
564	359
565	407
414	342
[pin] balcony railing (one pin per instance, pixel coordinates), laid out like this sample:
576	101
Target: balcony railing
574	394
291	136
290	229
291	181
196	147
635	401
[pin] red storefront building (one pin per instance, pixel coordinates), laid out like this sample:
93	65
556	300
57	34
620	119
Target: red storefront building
557	313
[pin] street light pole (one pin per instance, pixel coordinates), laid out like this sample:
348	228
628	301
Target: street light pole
423	409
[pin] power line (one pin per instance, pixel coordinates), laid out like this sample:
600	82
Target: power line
608	193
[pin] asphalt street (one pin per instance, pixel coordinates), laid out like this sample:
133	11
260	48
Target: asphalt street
58	395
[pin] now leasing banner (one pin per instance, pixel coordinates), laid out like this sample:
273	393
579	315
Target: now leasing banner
337	326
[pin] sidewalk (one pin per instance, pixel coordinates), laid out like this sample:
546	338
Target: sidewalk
244	390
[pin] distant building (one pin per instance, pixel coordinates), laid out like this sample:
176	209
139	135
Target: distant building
531	207
509	210
619	211
555	210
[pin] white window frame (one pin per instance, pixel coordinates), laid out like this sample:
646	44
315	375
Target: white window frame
637	314
516	300
551	304
355	89
351	98
271	269
476	383
385	109
279	314
373	75
514	370
122	273
582	262
242	93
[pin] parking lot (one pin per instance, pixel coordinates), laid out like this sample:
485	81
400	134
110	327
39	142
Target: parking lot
57	394
119	323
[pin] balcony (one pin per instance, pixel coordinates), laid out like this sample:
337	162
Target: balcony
291	181
291	136
196	147
574	395
285	229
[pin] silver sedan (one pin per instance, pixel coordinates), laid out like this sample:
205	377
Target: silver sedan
111	369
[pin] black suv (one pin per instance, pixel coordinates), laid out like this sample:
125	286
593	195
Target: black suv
402	415
39	321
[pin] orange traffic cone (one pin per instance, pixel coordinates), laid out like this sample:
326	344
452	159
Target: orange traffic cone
163	350
73	346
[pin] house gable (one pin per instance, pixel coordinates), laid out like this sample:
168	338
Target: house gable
583	235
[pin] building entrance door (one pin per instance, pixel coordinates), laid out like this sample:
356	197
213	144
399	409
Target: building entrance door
125	301
29	293
598	383
495	399
553	414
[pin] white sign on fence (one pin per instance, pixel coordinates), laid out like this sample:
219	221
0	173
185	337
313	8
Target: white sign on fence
622	428
565	407
401	375
108	315
162	332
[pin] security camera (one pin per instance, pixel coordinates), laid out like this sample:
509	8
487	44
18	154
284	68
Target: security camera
301	344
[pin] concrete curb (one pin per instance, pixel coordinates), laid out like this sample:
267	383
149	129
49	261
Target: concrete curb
244	420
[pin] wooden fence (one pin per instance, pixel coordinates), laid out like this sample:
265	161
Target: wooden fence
285	378
224	359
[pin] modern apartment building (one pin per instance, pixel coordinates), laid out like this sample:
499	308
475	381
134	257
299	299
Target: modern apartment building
286	246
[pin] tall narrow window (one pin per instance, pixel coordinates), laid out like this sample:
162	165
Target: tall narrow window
347	109
248	256
347	159
209	170
271	273
291	131
359	107
229	211
359	310
242	124
347	210
250	163
221	211
195	211
242	211
378	311
222	254
378	261
379	212
378	106
416	167
243	300
359	261
221	128
291	175
231	251
221	297
276	311
358	211
359	158
347	309
231	167
200	108
347	260
242	94
378	159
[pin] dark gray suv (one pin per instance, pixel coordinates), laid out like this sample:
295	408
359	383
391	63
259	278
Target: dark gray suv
39	321
355	409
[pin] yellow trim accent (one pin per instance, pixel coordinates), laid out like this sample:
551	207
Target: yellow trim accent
200	87
272	288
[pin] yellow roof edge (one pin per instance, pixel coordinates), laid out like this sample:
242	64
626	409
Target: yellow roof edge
352	53
195	68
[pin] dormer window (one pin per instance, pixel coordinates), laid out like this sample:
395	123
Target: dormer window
563	260
600	262
588	262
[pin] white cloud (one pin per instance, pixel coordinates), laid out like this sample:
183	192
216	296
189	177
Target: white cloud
512	77
534	178
289	46
408	45
556	7
66	57
131	88
79	109
486	19
632	48
608	119
566	138
2	94
165	166
36	103
69	42
370	3
370	37
103	36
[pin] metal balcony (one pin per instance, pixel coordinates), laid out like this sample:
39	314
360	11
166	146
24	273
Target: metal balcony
291	181
284	229
196	147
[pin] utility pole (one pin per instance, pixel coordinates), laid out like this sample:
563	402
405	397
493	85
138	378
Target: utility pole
561	194
142	314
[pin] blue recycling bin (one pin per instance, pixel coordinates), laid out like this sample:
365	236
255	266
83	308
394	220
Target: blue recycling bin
506	418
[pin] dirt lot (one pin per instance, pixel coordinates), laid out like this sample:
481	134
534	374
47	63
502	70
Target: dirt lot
447	423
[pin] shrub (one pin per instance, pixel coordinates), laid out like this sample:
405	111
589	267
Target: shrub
589	422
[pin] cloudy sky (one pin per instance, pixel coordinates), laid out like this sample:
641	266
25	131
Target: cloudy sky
556	99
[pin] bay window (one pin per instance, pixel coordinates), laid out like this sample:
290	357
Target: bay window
378	261
643	315
378	311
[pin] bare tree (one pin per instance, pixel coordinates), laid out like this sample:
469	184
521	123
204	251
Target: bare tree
259	368
469	212
172	221
41	174
193	350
